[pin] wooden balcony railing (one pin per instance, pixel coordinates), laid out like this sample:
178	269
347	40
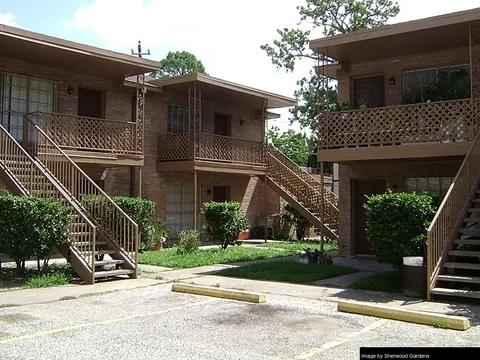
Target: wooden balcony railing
210	147
90	134
444	121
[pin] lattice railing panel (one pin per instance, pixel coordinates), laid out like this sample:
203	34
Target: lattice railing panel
427	122
210	147
225	148
175	147
309	179
84	133
305	194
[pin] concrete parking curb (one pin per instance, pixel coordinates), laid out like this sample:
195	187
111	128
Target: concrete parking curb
413	316
221	293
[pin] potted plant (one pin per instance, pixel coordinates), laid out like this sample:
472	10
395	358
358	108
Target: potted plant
159	234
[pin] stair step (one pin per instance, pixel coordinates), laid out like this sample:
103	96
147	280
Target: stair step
459	265
108	262
467	241
99	252
455	278
476	200
474	210
464	253
468	220
469	231
79	233
88	243
112	273
456	292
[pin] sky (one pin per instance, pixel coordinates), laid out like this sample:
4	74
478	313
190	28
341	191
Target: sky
225	35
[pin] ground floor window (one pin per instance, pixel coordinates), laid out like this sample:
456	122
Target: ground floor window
180	208
433	185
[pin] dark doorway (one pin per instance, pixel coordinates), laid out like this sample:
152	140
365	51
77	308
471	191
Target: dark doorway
363	188
221	193
222	125
370	92
91	103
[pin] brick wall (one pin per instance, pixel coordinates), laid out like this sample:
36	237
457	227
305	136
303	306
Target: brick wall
249	191
395	67
394	173
118	97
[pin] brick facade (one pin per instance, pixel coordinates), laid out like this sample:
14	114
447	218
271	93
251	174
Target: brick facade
394	67
249	191
393	172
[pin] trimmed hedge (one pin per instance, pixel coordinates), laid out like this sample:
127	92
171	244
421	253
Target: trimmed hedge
31	227
225	220
396	225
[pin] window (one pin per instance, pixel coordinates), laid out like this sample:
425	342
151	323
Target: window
433	185
177	119
436	84
21	94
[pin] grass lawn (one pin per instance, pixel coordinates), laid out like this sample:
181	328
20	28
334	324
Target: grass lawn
57	275
391	282
299	245
170	258
287	271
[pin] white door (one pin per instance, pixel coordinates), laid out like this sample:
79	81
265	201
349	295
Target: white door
180	208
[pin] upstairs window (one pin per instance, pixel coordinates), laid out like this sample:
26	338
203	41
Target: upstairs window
436	84
177	119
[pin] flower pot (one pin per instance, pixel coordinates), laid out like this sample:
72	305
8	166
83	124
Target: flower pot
414	277
303	260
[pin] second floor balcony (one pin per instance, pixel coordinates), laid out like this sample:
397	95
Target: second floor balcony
443	128
210	152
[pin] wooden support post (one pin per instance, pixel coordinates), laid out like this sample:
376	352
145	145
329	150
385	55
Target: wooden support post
195	199
265	207
140	171
322	229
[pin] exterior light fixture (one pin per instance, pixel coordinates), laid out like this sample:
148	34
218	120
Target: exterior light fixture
242	121
69	90
392	80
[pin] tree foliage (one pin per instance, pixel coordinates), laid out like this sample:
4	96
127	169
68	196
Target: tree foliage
292	144
330	17
179	63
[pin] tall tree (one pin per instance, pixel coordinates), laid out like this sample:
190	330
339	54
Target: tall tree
179	63
332	17
294	145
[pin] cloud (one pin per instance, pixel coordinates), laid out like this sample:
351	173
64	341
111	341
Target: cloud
225	35
7	19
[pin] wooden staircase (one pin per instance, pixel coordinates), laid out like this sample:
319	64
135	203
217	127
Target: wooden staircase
303	191
103	241
453	249
460	275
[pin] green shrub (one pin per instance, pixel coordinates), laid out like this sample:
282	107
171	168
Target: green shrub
140	210
189	241
396	225
294	217
225	220
31	227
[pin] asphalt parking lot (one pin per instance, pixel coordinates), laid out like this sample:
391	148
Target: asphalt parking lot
155	323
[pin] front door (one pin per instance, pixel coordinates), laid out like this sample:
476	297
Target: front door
91	103
362	189
370	92
222	145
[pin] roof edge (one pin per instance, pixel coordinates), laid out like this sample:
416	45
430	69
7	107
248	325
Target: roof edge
77	47
398	28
